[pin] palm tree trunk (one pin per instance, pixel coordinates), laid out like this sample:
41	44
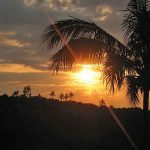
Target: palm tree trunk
145	115
146	103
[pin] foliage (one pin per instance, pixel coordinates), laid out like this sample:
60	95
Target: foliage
61	96
27	91
52	94
15	93
71	95
66	96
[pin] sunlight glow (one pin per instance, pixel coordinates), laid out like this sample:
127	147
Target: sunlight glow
87	75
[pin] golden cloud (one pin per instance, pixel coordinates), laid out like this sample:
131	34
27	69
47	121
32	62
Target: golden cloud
11	33
13	43
6	40
104	11
29	2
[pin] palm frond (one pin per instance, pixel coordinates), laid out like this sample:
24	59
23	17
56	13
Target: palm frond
75	28
87	51
115	69
61	61
133	86
136	25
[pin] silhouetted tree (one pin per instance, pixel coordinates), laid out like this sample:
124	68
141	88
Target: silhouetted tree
15	93
137	33
111	107
39	95
102	103
27	91
4	96
66	96
52	94
70	95
61	96
85	42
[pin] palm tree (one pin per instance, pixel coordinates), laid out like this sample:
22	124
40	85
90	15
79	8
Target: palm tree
137	34
71	95
27	91
102	103
52	94
85	42
66	96
61	96
15	93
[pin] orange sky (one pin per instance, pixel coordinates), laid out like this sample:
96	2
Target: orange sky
43	82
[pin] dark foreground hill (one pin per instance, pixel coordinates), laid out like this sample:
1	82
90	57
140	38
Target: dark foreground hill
36	124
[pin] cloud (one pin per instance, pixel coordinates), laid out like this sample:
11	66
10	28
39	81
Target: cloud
11	33
6	39
57	5
13	43
17	68
30	2
104	12
52	4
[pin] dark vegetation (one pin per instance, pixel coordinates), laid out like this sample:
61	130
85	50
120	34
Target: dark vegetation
29	123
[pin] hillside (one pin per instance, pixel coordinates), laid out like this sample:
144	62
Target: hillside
36	123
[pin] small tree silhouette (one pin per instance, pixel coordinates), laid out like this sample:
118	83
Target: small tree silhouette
52	94
112	107
102	103
39	95
66	96
27	91
71	95
61	96
15	93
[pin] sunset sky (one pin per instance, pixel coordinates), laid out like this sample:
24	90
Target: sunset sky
23	61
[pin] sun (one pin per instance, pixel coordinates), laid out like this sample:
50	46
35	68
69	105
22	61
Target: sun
87	75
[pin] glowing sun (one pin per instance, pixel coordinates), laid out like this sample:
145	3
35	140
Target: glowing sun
87	75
